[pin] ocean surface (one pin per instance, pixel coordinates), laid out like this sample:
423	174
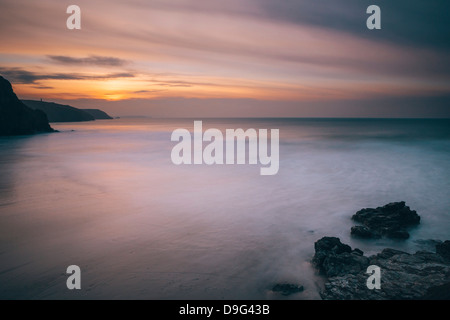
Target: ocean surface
106	196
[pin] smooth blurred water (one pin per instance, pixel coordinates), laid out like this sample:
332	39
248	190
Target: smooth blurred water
106	197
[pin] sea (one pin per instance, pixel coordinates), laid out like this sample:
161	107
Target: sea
105	196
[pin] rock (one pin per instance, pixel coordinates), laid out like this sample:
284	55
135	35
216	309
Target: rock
287	289
364	232
15	117
388	253
441	292
443	249
344	264
391	220
334	258
325	247
398	234
420	275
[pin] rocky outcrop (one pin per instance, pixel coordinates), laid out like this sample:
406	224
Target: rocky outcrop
334	258
97	114
15	117
423	275
287	289
59	112
392	221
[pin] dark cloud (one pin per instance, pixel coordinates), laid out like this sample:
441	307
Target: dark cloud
415	23
416	64
91	60
18	75
43	87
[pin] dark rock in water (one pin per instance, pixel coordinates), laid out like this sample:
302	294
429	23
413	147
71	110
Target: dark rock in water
325	247
391	220
398	234
444	249
334	258
358	252
344	264
389	253
15	117
364	232
403	276
287	289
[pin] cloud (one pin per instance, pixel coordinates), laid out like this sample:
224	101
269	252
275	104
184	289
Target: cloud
43	87
147	91
21	76
265	49
415	23
91	60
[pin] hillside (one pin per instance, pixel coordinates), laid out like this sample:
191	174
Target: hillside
58	112
97	114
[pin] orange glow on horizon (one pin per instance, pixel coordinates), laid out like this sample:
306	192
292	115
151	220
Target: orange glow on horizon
161	54
138	88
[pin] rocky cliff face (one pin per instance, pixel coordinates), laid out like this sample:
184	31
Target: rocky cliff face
15	117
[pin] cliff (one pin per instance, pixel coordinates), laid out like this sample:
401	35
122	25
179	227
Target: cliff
15	117
97	114
59	112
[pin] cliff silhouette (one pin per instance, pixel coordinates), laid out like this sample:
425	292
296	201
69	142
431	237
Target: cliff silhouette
64	113
97	114
59	112
16	118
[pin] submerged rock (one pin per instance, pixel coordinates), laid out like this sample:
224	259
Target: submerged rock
438	292
444	249
287	289
403	276
391	220
364	232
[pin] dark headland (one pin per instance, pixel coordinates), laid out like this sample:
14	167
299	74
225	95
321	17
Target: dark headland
16	118
64	113
98	114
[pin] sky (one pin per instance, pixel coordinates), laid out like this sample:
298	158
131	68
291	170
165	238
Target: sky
234	58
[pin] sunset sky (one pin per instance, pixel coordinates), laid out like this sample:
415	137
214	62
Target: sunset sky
231	58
